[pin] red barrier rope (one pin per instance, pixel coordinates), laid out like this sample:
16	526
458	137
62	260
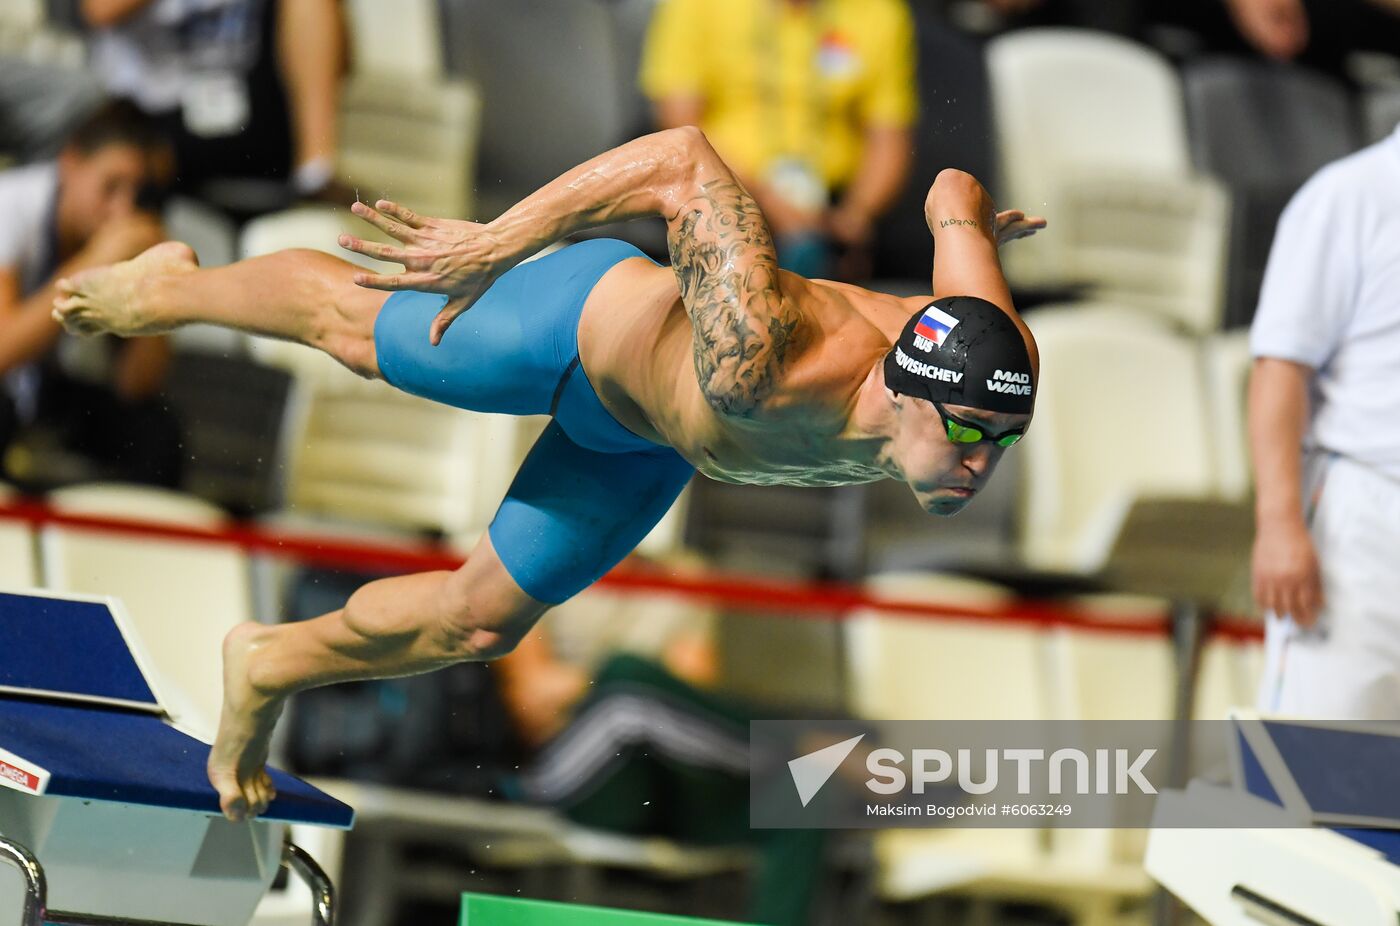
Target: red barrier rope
829	600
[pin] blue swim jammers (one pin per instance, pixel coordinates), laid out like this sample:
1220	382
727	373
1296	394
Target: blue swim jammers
590	489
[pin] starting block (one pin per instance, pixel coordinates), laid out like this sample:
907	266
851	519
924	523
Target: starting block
1306	833
105	808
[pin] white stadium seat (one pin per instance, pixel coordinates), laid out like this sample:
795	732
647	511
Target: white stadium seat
402	38
920	668
912	666
1111	675
18	567
1227	368
1229	679
316	227
411	140
1092	134
1121	415
363	451
185	596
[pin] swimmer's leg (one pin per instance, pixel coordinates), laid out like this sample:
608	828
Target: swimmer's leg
393	627
572	513
296	295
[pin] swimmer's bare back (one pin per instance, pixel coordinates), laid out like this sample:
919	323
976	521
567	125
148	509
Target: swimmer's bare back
753	374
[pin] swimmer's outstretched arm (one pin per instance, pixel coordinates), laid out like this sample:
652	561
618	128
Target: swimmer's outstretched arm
746	327
967	231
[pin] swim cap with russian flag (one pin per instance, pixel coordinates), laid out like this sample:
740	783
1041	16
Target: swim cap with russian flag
962	350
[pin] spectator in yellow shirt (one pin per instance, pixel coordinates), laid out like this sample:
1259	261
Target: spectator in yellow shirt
810	101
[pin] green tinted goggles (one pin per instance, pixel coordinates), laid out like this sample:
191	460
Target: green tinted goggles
962	431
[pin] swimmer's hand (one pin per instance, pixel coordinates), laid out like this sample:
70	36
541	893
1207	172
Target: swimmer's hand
1013	224
456	258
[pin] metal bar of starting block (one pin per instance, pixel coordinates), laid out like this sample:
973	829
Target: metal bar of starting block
299	860
36	890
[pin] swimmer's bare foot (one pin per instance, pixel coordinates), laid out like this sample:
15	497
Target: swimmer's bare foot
113	299
238	762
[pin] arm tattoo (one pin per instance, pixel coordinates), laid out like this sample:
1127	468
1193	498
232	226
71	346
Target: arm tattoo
723	257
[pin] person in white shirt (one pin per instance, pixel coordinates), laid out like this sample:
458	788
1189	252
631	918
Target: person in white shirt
1324	423
63	216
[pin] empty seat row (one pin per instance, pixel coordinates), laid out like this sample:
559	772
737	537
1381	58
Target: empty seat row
912	666
978	668
1091	132
1128	408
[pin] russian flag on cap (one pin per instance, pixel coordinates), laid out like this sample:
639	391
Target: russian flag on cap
935	324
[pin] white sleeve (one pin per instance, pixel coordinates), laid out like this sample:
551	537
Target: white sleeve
14	232
26	194
1313	275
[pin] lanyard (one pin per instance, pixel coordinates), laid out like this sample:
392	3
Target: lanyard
768	54
48	256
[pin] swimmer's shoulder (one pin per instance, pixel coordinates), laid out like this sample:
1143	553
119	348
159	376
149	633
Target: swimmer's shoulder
881	315
849	329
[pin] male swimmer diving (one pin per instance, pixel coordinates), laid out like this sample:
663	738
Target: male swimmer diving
719	363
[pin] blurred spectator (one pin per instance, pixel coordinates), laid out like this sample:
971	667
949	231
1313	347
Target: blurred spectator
1278	28
40	103
1323	411
811	103
247	89
96	397
629	739
1121	16
1319	33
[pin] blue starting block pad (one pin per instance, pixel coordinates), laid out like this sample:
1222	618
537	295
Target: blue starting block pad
1306	833
80	718
107	797
71	750
1327	774
71	649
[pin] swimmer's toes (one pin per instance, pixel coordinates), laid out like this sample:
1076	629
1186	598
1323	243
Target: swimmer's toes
68	310
234	806
261	794
232	800
269	794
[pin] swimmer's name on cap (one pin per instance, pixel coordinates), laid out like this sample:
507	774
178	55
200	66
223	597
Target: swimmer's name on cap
962	350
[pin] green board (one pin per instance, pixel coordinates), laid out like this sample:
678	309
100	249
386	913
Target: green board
486	910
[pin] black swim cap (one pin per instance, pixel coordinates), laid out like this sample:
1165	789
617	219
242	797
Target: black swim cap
963	351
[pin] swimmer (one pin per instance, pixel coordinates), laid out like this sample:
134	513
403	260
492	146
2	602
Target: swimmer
719	363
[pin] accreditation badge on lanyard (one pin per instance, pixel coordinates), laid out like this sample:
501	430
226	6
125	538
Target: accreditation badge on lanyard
795	175
836	56
215	104
220	46
796	182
